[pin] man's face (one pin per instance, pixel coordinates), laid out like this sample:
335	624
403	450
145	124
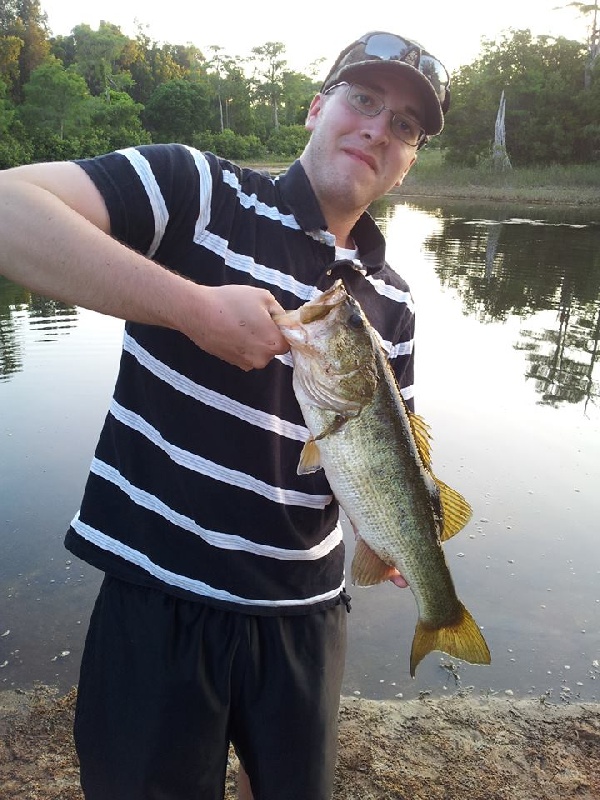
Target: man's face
353	159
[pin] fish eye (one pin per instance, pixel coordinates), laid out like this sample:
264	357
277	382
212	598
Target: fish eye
355	321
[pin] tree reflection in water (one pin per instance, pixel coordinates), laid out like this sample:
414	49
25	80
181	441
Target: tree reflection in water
513	266
20	307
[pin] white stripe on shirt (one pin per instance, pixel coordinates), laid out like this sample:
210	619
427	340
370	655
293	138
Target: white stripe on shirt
222	541
111	545
211	469
155	196
221	402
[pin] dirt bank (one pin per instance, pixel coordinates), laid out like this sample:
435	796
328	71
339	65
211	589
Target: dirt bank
451	748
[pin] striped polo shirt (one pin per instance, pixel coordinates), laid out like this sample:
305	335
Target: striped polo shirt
193	486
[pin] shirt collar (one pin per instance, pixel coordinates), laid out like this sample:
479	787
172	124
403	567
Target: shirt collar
298	195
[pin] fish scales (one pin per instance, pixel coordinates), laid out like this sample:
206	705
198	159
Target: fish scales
376	457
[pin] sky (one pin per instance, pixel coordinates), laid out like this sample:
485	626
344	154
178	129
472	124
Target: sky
450	29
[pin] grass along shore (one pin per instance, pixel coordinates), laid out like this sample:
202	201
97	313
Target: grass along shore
576	184
573	185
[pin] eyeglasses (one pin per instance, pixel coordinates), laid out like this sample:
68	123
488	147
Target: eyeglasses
389	47
370	104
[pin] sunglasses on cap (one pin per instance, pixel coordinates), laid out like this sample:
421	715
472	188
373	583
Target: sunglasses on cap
389	47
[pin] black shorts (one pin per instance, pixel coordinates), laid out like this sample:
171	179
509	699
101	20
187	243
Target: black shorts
166	684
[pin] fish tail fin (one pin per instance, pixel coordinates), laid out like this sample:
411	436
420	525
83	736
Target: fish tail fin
461	639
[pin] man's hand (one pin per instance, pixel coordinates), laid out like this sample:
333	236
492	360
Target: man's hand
399	580
72	257
235	324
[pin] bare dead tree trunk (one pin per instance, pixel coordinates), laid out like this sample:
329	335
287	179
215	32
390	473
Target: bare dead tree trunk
593	50
500	157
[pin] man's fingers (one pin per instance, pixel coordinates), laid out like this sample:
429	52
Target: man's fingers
399	580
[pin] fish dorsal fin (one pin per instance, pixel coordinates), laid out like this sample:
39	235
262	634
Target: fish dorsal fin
310	458
367	568
456	512
421	432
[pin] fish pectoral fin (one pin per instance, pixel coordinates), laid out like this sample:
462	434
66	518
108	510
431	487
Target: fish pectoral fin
335	425
367	568
456	512
310	458
461	639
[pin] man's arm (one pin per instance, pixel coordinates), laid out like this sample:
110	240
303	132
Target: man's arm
55	240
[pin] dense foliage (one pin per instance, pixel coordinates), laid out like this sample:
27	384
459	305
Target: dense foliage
552	117
94	91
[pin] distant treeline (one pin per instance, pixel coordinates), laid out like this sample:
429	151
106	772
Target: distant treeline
94	91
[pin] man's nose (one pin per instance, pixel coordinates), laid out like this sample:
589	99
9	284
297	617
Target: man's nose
378	128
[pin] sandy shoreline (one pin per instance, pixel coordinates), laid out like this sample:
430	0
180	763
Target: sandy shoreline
449	748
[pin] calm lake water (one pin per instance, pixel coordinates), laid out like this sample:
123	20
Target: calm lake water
508	377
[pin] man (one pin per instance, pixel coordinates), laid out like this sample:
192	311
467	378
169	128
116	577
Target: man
222	614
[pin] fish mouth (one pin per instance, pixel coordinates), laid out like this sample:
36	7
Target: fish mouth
326	301
313	311
321	306
310	314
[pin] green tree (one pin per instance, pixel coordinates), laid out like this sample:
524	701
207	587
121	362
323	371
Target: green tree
55	100
97	54
268	73
10	51
116	121
149	65
587	138
7	114
15	147
188	58
8	14
467	135
297	92
230	145
590	10
288	141
63	48
543	83
230	91
216	68
25	21
177	110
239	111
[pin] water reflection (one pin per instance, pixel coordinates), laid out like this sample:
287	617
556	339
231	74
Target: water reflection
521	267
20	308
504	266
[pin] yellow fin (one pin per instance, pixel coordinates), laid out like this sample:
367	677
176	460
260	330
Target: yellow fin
421	432
367	568
456	512
310	458
462	639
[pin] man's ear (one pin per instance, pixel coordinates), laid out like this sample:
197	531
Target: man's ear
313	112
400	180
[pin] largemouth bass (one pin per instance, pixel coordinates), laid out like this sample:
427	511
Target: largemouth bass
377	458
